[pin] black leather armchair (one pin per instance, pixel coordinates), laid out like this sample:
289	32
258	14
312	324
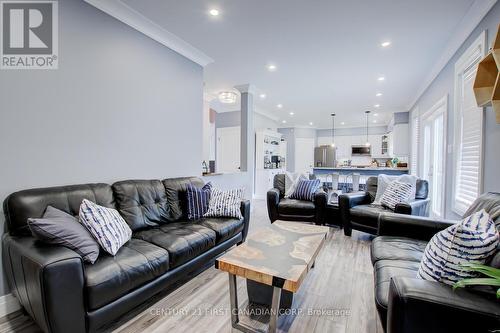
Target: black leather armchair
281	208
403	300
357	211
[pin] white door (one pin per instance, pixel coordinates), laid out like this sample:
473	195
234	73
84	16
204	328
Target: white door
434	158
228	150
304	155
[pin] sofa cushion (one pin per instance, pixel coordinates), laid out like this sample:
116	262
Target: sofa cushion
20	206
175	189
296	207
384	270
224	227
367	214
183	240
397	248
111	277
142	203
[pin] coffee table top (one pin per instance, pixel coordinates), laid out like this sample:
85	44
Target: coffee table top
278	255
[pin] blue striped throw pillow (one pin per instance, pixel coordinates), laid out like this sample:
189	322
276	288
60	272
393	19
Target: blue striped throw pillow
305	189
106	225
473	240
198	200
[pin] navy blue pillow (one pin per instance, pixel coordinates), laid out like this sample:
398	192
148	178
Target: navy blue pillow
305	189
197	200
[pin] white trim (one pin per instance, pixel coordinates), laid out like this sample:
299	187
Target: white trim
469	22
415	115
441	103
470	57
141	23
8	304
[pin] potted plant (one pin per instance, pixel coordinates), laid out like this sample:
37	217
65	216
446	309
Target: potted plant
492	277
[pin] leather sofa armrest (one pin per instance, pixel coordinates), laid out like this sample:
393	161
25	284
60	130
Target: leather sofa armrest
273	199
48	281
418	207
245	212
346	202
320	201
417	305
416	227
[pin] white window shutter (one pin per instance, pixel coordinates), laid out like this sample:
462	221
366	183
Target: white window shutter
468	134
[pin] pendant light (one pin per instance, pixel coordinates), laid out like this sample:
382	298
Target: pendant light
333	129
367	142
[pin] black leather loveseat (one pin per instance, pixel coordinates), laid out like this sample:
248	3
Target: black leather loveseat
281	208
408	304
63	294
358	212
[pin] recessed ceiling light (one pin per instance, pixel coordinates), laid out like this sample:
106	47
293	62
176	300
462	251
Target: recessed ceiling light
381	78
375	114
376	106
378	94
342	123
374	121
283	121
263	96
214	12
385	44
311	123
279	106
271	67
291	113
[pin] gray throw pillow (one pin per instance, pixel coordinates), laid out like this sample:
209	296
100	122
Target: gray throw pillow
59	228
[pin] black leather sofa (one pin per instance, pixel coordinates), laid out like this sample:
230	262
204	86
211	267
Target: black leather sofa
63	294
408	304
357	211
281	208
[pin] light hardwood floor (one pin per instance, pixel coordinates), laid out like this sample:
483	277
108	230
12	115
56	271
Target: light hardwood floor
337	296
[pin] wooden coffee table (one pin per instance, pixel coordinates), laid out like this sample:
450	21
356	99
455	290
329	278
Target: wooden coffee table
276	257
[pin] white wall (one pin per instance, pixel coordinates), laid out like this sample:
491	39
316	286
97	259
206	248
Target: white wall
120	106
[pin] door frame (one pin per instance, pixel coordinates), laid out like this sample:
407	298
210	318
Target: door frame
432	112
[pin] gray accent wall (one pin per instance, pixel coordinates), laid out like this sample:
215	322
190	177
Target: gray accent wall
120	106
444	85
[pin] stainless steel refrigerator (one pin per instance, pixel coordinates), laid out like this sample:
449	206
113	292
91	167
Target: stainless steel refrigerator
324	156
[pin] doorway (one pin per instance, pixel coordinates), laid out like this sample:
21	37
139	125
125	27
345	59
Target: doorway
228	149
434	154
304	154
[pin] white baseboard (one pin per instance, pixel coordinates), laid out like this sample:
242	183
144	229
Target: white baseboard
8	304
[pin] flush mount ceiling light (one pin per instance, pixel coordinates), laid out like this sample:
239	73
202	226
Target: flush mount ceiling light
227	97
262	96
279	106
381	78
214	12
385	44
378	94
271	67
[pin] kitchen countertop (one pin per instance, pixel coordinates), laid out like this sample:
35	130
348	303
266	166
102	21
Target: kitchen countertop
361	168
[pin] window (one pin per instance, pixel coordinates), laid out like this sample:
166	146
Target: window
468	134
415	134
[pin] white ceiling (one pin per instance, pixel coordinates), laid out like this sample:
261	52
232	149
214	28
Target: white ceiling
327	52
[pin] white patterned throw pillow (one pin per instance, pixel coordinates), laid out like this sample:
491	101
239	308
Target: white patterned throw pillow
225	203
473	240
397	192
106	225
